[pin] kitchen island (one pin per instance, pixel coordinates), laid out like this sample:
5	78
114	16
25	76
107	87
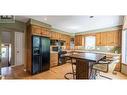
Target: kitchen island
84	62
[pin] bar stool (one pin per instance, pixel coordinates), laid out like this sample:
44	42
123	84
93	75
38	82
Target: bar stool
73	66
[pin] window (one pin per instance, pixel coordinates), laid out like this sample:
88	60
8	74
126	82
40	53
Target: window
124	47
90	42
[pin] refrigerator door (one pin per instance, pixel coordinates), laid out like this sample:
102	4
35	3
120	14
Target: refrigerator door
35	54
45	53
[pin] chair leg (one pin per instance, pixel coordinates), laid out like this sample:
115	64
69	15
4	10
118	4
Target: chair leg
73	71
106	77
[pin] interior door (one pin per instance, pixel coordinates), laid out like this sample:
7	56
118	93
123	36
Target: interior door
19	48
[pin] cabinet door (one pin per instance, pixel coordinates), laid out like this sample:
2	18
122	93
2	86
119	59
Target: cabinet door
103	38
36	30
110	38
76	40
117	38
59	36
48	32
79	40
53	59
98	39
67	42
43	32
53	35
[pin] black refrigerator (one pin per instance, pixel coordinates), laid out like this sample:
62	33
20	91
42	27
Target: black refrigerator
40	54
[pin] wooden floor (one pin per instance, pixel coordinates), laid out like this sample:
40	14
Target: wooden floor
55	73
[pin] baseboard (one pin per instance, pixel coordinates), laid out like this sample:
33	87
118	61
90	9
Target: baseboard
16	65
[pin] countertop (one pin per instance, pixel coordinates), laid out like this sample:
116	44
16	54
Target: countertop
54	52
91	57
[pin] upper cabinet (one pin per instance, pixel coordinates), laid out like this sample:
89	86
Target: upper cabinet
103	39
110	38
36	30
68	39
98	39
79	40
41	31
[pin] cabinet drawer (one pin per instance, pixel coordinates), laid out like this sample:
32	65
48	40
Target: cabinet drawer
53	59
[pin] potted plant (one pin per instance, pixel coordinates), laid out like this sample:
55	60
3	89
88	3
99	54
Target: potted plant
117	50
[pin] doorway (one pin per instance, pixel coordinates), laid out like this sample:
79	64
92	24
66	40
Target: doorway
5	49
12	48
5	55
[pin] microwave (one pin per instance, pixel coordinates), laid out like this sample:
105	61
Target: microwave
55	48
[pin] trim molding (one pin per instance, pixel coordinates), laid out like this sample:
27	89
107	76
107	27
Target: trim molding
38	23
100	30
63	32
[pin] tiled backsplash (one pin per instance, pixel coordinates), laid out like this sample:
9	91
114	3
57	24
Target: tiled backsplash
98	48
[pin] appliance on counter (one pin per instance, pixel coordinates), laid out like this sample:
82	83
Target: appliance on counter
57	42
40	54
54	42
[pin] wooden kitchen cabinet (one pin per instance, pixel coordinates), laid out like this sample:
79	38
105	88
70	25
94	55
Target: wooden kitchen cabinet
36	30
98	39
41	31
111	38
103	38
79	40
45	32
53	59
114	38
54	35
118	38
68	39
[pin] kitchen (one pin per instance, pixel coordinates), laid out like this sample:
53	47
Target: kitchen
105	41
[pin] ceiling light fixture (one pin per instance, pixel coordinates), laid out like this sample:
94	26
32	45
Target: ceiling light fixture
45	18
91	16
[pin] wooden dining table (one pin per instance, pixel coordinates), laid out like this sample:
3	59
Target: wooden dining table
84	62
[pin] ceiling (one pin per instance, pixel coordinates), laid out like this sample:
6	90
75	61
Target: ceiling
76	24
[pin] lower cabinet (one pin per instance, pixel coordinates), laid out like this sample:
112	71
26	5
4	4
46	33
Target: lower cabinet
53	59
